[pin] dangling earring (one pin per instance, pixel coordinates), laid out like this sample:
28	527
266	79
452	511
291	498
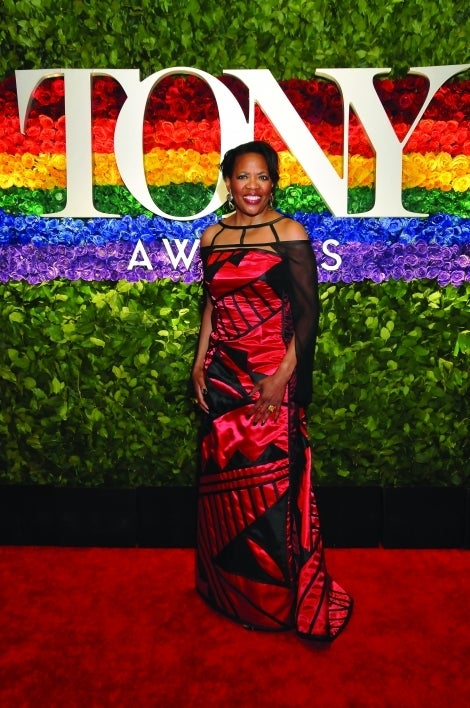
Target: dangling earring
230	203
271	200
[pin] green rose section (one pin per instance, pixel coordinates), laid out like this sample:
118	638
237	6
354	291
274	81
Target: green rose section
184	199
94	381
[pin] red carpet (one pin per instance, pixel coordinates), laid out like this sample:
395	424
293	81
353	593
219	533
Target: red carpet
111	627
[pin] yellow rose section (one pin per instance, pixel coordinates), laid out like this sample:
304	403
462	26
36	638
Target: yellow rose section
164	167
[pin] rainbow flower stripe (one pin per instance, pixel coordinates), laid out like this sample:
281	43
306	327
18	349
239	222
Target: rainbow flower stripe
181	140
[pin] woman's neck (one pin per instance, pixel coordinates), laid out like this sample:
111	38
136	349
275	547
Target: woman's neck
241	219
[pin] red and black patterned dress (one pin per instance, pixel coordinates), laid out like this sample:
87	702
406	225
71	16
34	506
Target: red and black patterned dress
259	550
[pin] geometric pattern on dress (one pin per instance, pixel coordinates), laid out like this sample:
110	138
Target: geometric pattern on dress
250	553
260	553
238	555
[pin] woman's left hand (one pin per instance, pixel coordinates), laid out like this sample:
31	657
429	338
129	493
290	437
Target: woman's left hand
271	391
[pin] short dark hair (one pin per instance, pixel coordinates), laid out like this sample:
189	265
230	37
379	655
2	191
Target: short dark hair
258	146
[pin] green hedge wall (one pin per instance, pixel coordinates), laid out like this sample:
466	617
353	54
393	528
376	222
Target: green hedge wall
94	376
95	384
289	38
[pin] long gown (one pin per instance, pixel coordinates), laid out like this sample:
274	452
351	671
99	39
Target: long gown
260	557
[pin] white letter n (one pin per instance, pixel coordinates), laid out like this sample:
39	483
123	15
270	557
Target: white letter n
358	91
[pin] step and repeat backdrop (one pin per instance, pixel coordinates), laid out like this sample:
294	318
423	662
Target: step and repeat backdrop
106	184
177	142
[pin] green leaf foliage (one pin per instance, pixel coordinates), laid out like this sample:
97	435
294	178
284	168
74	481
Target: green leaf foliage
94	384
94	377
392	402
291	39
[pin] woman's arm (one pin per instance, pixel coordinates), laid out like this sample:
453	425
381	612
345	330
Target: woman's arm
303	293
198	378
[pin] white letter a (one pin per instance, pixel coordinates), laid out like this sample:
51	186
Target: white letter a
139	250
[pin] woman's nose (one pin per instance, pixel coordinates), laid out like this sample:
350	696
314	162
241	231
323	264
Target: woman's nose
252	181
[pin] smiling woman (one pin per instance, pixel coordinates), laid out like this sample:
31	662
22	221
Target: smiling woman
250	178
260	556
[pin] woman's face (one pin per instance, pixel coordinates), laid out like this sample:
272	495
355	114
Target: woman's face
250	184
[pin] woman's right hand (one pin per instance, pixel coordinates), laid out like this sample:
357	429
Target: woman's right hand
200	388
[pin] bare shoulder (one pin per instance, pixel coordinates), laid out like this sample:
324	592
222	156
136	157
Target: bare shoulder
291	230
208	234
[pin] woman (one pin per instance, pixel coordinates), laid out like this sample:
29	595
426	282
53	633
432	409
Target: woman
259	551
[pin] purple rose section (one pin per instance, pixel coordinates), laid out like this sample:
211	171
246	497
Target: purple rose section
154	259
348	250
448	265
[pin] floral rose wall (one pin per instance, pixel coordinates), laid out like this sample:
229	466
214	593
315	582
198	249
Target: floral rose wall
99	316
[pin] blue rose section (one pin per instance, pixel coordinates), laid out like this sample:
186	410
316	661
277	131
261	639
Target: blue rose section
348	250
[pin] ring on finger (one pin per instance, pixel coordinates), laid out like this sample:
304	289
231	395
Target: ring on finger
271	408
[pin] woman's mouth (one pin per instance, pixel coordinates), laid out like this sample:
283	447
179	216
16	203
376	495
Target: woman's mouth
252	198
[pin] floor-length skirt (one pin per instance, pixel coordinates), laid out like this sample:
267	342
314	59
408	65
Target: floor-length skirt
260	558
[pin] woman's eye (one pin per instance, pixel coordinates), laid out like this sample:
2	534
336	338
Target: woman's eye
262	178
